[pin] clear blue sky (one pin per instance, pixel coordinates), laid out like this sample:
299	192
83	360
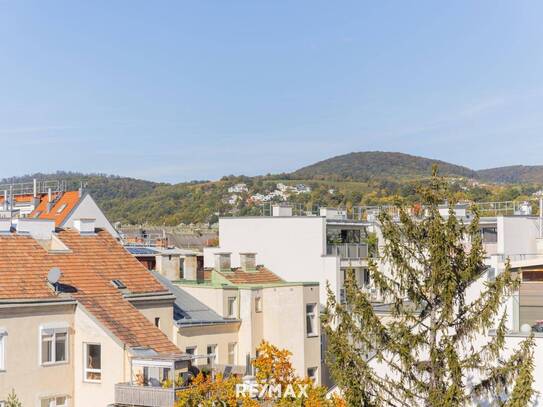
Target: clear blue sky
185	90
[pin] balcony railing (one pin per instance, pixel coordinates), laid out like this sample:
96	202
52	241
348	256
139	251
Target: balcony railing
348	251
133	395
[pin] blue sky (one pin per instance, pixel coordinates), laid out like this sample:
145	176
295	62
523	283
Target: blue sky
183	90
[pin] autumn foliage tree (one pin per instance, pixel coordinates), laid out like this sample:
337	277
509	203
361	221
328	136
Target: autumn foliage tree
428	353
273	367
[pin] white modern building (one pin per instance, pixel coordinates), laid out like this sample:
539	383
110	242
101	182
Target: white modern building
319	247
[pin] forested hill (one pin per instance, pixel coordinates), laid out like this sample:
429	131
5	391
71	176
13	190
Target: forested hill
364	166
368	178
514	174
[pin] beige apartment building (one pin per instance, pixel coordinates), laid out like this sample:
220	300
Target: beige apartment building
244	306
82	322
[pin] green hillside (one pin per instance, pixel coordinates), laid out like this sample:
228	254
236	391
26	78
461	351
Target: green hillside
364	166
514	174
354	179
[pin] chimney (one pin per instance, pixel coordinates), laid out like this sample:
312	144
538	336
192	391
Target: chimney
281	210
5	204
5	224
49	199
39	229
35	188
222	262
85	226
247	261
190	267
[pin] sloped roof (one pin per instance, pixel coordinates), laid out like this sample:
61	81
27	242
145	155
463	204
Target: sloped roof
187	309
64	204
87	270
260	276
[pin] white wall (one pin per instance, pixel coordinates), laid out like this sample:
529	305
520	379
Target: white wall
517	235
294	248
87	208
115	367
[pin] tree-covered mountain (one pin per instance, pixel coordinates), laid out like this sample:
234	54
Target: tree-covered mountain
354	179
363	166
514	174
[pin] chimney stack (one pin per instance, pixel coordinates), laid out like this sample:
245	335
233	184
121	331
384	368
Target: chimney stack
247	261
190	267
40	229
222	262
49	199
85	226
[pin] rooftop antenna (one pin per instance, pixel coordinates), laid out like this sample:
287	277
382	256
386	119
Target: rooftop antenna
53	276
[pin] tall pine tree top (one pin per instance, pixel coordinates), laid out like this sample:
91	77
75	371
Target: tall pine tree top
430	346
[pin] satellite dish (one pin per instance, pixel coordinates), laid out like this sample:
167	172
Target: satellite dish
54	275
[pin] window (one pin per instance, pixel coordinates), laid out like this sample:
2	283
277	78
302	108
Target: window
2	351
232	347
231	307
54	345
258	304
311	326
312	374
157	322
532	275
212	350
60	401
93	362
191	350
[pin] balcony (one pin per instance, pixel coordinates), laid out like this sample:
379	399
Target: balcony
154	380
134	395
348	251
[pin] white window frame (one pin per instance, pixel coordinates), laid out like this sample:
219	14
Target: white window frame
195	350
54	331
313	316
85	360
54	398
215	358
3	339
233	312
233	353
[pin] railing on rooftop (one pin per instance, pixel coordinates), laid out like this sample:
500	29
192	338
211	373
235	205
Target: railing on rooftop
370	213
27	188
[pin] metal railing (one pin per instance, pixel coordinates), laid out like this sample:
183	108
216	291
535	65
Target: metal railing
131	395
348	250
27	188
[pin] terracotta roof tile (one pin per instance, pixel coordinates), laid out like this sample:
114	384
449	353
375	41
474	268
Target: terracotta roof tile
64	203
87	270
260	276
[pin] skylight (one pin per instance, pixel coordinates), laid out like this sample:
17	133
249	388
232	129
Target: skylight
118	284
62	207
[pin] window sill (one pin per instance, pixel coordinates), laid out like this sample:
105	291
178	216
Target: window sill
92	381
50	364
313	336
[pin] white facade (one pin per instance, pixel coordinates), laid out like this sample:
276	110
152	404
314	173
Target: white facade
295	247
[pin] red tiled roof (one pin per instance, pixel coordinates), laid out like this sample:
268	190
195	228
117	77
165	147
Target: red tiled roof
260	276
61	208
18	198
89	267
